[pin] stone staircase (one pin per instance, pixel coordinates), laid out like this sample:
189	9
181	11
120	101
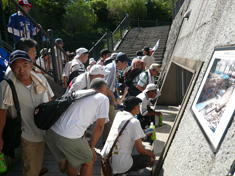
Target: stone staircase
137	38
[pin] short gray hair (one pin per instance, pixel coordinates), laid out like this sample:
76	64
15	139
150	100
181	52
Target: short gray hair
98	83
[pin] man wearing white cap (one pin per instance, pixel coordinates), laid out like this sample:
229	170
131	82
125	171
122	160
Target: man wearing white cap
76	66
91	63
83	81
147	114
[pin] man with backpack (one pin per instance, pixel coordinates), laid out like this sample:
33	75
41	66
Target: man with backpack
66	139
76	66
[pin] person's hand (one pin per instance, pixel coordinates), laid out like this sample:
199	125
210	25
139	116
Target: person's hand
158	113
38	28
94	155
23	33
1	144
152	155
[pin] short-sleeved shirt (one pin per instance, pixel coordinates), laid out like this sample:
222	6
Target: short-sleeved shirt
144	104
143	79
77	65
67	68
28	100
40	61
121	155
112	76
148	60
81	82
81	114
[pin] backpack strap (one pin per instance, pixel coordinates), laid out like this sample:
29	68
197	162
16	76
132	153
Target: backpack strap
14	94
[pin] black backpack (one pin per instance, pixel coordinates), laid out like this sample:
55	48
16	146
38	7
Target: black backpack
75	72
46	114
131	74
127	77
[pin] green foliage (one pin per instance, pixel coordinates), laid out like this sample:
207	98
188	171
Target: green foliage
136	9
160	10
4	3
51	13
79	18
103	20
117	9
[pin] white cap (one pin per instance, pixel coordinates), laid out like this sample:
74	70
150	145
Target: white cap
155	66
80	51
150	87
91	60
98	70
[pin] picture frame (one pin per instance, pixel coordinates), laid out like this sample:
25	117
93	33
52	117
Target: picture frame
213	106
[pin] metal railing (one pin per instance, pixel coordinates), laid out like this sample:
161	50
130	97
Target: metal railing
22	25
111	40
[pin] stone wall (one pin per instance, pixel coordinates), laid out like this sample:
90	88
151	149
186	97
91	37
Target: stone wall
211	24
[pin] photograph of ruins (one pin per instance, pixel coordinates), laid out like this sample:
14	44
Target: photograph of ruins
214	104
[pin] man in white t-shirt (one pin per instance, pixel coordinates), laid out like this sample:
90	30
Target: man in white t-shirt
65	138
122	160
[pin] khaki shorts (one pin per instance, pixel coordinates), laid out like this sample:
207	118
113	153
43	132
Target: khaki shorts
76	151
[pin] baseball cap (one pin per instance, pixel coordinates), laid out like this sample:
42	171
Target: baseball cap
80	51
98	70
155	66
19	54
24	2
91	60
122	57
150	87
146	48
59	41
131	101
44	52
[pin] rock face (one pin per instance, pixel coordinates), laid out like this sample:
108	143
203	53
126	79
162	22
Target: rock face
210	25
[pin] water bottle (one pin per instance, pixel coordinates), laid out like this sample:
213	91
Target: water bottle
153	136
3	167
160	120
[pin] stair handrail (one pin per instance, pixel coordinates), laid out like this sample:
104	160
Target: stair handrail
56	76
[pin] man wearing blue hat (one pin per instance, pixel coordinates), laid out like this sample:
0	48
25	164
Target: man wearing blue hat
31	90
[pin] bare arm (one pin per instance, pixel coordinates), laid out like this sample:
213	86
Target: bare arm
140	88
154	113
142	150
111	95
65	81
3	114
96	133
123	96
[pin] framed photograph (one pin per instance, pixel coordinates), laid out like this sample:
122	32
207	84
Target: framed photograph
214	104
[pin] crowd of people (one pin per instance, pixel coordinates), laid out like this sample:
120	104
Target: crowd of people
123	90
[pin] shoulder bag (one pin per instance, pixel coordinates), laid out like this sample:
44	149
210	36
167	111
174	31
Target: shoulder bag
106	169
12	131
